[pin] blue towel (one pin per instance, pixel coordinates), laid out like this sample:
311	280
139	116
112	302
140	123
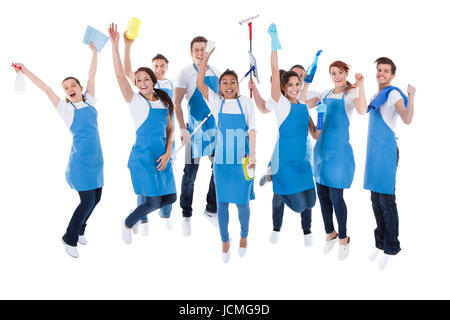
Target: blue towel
382	97
98	39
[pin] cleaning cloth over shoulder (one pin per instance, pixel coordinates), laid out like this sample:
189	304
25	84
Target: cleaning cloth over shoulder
383	96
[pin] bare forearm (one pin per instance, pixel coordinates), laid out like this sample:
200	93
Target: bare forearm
259	101
201	78
361	101
125	87
41	85
127	62
276	91
252	140
92	73
304	94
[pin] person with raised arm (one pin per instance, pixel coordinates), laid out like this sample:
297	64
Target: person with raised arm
334	163
382	157
235	120
149	162
160	66
85	169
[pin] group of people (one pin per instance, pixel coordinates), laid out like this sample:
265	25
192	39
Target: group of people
221	125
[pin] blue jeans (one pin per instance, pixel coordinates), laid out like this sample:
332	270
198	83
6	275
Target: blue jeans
386	215
150	204
223	216
301	202
331	198
88	201
187	187
163	212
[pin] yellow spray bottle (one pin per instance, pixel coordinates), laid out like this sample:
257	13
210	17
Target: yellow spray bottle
133	28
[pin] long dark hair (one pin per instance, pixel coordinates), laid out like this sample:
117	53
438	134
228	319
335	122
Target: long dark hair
77	81
285	79
161	94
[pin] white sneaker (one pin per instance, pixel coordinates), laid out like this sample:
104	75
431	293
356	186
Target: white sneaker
274	237
385	261
71	251
329	245
226	256
186	227
344	250
126	234
168	222
144	229
265	178
242	252
82	240
308	240
375	254
212	216
136	227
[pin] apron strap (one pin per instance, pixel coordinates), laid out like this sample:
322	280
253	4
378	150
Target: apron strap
343	95
209	69
76	108
239	104
148	101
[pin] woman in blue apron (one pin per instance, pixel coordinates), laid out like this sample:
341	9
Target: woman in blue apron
85	169
291	171
149	162
236	136
278	204
334	164
160	67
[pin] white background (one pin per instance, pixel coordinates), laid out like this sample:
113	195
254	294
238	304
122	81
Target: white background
36	203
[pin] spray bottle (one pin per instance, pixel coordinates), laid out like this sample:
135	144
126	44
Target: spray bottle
312	69
20	79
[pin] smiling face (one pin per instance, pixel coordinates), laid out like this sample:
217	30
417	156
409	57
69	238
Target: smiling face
292	88
198	51
160	68
384	75
229	86
73	90
144	83
339	77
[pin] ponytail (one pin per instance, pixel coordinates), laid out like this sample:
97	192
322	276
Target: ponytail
165	99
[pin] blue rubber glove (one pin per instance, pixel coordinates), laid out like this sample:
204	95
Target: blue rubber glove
276	45
322	108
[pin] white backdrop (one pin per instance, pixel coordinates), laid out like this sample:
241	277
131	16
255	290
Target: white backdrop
36	202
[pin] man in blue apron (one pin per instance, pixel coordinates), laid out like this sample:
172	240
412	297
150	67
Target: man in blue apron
382	156
202	143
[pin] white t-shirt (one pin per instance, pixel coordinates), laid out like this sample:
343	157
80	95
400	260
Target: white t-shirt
164	84
388	110
187	79
139	108
349	99
231	106
66	111
282	108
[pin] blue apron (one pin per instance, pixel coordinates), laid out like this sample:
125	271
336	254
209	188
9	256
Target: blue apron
170	93
150	145
202	142
381	156
334	164
292	170
85	169
231	185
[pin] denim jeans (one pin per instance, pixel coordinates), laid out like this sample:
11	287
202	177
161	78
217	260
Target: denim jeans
150	204
187	187
301	202
386	215
331	198
164	212
223	217
77	226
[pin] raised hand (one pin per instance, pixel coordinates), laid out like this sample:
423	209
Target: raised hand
411	91
251	85
127	41
274	36
113	33
359	79
93	48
